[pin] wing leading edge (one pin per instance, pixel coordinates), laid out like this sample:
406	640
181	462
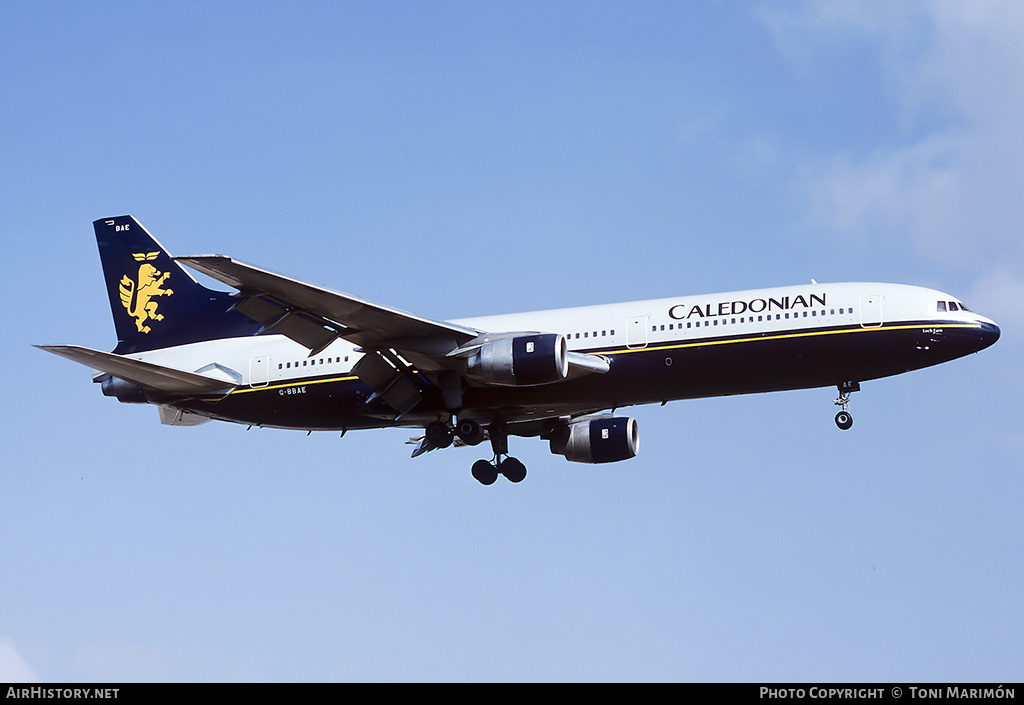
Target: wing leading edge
314	316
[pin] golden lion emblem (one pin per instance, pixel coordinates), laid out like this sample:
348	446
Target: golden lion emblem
137	296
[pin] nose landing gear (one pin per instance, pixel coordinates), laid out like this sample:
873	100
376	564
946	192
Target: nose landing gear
844	419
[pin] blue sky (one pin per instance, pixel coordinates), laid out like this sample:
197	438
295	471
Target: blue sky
461	159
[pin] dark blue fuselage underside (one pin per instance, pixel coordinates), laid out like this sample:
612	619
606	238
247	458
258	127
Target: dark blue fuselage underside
658	372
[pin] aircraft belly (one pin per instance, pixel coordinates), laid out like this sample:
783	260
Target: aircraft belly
310	404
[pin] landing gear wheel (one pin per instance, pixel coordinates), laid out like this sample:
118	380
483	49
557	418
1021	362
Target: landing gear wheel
469	432
844	420
438	434
484	472
513	469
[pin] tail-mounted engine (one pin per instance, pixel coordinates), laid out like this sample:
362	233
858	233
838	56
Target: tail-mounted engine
522	360
601	440
123	391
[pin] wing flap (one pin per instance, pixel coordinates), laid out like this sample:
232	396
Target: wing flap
312	332
144	374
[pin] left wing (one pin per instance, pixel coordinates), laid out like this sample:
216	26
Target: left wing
398	344
314	317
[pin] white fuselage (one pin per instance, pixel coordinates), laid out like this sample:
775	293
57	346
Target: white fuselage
273	359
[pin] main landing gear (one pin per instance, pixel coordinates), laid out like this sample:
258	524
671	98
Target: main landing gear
486	472
844	419
441	435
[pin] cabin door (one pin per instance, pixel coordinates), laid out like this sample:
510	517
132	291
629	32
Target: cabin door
259	371
871	311
636	332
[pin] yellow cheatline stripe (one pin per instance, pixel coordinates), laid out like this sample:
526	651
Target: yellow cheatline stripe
782	336
703	342
283	385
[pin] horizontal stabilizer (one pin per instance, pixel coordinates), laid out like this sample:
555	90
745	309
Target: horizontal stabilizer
144	374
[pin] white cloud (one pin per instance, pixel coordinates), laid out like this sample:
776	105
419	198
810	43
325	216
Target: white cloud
14	668
956	188
913	189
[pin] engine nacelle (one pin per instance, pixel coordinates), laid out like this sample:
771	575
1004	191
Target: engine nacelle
603	440
123	391
522	360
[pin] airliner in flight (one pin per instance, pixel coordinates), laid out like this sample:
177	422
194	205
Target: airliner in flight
282	353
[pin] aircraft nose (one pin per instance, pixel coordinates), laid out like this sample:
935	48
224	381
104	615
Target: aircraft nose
989	334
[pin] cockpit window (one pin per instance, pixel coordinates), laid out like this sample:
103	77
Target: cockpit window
950	306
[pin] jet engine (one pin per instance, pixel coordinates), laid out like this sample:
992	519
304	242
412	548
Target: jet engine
123	391
600	440
522	360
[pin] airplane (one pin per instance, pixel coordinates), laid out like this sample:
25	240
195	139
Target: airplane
278	352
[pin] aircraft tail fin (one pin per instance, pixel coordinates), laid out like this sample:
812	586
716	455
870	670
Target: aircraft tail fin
154	301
